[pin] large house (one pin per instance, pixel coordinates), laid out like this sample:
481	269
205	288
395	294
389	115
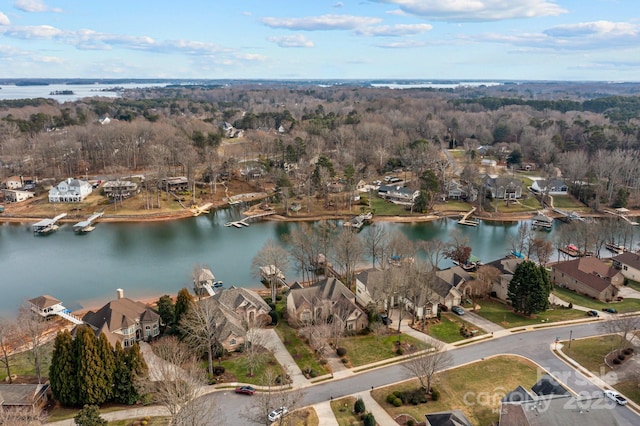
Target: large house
13	182
457	191
550	187
70	191
124	320
326	298
629	265
245	303
506	268
503	187
398	194
589	276
120	189
448	283
17	196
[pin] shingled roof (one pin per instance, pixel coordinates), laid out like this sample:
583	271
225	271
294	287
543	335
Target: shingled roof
118	314
590	271
44	301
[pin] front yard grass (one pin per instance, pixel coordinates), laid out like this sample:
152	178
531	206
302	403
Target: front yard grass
299	350
627	305
503	315
382	207
590	354
236	367
567	202
448	330
363	350
343	411
476	389
151	421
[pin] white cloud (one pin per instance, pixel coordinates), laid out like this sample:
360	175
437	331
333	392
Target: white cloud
297	40
394	30
581	36
337	4
321	23
34	32
477	10
34	6
397	12
405	44
4	19
49	59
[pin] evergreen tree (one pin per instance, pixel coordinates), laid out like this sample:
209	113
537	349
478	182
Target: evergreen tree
166	309
62	371
90	372
135	360
89	416
124	392
529	289
182	305
107	359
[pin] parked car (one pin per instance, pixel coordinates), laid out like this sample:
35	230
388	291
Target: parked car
246	390
610	310
277	413
616	397
385	319
592	313
457	310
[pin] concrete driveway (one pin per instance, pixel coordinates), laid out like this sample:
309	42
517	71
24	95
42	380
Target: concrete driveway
478	321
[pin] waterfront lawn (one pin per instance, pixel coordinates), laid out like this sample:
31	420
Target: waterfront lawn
627	305
382	207
476	389
22	364
567	202
503	315
363	350
343	411
590	352
448	329
302	354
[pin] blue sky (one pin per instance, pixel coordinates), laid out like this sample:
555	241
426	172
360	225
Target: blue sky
306	39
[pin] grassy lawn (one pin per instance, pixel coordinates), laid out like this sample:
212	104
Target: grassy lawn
382	207
476	389
567	202
22	363
303	417
630	389
448	330
299	350
452	205
236	366
627	305
633	284
64	413
503	315
155	421
362	350
590	352
343	410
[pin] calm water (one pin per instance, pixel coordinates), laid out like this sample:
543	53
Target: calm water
151	259
79	91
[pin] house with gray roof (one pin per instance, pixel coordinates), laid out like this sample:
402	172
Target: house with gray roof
447	418
326	298
398	194
503	187
70	191
124	320
550	186
245	303
28	398
506	268
447	285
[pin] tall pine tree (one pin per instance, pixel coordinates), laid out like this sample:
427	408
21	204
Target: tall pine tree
90	373
124	391
107	358
62	371
529	288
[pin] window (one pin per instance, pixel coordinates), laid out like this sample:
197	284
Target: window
349	326
232	341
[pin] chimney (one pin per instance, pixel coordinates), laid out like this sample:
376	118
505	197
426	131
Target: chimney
120	293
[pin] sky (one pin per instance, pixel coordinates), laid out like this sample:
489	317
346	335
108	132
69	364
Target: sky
583	40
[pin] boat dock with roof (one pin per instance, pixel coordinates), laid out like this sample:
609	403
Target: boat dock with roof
47	226
87	225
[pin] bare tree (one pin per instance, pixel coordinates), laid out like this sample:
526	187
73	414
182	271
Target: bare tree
273	395
18	416
426	365
274	258
31	329
434	250
481	286
542	250
623	326
255	351
376	241
347	253
199	327
176	381
8	344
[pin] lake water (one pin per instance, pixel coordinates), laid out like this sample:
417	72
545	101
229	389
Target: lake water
148	260
79	91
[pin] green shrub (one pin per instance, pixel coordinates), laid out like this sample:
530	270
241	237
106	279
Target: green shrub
435	395
341	351
390	398
399	351
397	402
622	357
410	422
359	407
323	361
345	360
368	420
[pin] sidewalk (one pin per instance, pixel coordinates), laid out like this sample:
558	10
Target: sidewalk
325	414
284	358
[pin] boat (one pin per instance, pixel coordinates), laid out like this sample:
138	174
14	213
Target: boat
616	248
517	254
541	221
218	284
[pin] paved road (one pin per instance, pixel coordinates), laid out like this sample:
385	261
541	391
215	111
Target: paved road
534	345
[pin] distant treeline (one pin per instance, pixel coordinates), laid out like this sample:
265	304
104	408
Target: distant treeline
616	108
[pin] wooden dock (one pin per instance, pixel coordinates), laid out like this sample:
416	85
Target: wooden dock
245	222
622	214
198	210
469	222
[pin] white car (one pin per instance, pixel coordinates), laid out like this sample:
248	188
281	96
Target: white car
277	413
616	397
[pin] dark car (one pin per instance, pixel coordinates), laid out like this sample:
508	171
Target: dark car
592	313
246	390
457	310
385	319
610	310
